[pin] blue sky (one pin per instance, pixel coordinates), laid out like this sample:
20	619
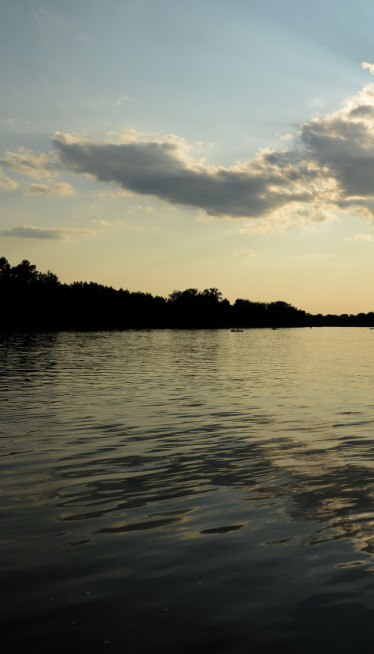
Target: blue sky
159	145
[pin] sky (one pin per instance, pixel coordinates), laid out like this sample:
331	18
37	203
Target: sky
159	145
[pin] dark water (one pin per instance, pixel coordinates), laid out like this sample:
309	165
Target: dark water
188	491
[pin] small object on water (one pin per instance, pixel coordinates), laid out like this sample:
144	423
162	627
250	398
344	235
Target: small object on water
236	330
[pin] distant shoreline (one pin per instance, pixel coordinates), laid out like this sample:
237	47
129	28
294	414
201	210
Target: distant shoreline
35	301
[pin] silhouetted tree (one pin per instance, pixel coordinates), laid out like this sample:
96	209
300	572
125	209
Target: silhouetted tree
4	268
25	272
31	300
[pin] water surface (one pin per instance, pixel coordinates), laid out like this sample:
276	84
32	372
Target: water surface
188	490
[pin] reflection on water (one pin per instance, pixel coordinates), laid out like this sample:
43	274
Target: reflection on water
174	489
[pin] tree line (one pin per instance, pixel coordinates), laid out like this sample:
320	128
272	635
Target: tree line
32	300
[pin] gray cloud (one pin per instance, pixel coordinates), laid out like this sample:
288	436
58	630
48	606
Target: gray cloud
364	110
331	166
343	146
158	169
44	233
61	188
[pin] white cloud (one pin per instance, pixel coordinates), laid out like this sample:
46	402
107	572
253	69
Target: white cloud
121	100
32	165
247	253
7	183
369	67
117	193
301	216
102	223
141	207
360	237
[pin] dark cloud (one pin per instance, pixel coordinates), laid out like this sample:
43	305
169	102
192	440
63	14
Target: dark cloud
363	111
345	150
60	188
158	169
332	165
43	233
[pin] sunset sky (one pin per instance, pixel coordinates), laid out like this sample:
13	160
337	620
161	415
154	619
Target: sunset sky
157	145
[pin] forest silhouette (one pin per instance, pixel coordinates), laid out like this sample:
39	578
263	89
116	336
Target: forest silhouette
36	301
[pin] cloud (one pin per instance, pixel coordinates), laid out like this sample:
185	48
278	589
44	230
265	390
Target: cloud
342	147
266	226
360	237
120	100
304	216
140	207
161	169
7	183
54	189
118	193
27	163
370	67
330	168
16	121
247	253
102	223
44	233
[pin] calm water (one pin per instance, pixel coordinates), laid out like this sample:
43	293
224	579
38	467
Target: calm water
188	491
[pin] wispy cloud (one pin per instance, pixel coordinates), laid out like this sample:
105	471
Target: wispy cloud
102	223
60	188
16	121
246	253
140	207
33	165
118	101
360	237
44	233
304	216
7	183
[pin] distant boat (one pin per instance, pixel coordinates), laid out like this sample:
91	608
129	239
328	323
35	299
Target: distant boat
236	330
